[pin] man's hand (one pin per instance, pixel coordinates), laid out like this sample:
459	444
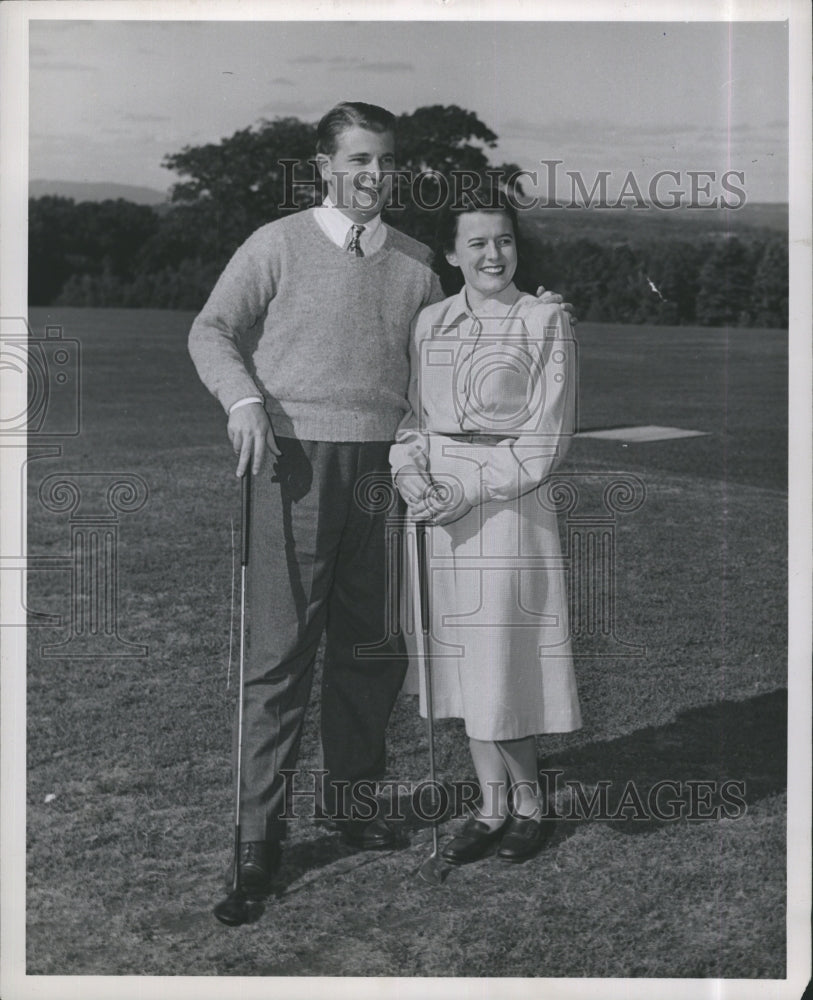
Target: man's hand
552	298
250	434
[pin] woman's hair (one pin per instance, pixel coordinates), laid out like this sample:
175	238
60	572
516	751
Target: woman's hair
350	114
486	198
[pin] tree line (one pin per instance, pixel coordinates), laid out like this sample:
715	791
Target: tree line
119	254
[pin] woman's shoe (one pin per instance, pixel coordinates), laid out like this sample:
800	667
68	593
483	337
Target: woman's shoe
473	841
524	837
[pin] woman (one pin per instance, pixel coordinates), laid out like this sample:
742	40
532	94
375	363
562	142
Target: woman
493	399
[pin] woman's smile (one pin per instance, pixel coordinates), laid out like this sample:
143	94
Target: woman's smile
485	250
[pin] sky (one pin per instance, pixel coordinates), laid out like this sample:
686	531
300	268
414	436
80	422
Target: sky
109	99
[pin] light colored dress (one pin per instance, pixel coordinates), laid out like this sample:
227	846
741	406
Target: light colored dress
492	399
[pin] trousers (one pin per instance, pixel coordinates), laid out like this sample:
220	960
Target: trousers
317	565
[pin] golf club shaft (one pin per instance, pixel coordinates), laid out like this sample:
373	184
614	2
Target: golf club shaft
423	582
245	488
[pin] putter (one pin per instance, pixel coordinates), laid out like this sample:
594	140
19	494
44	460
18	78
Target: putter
433	869
237	908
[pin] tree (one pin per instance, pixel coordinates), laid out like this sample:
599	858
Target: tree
261	173
769	295
90	238
441	150
673	267
238	184
725	280
50	224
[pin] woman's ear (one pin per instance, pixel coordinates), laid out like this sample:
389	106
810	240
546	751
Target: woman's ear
451	258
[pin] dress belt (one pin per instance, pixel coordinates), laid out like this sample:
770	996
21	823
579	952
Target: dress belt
474	437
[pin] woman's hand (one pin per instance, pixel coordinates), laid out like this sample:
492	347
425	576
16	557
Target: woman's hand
412	483
440	503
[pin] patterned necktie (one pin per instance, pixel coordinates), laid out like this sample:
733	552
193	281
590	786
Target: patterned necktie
354	246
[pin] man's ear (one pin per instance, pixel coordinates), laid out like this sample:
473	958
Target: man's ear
323	165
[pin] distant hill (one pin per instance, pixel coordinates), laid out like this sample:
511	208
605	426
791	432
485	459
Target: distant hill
624	224
96	191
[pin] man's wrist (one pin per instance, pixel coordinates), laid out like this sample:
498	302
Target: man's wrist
244	402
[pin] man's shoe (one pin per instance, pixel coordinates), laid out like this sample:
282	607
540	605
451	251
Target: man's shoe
473	842
524	837
367	835
259	859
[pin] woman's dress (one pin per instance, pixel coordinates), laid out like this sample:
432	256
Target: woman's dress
492	399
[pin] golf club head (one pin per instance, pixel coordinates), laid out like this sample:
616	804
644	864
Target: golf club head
238	909
433	871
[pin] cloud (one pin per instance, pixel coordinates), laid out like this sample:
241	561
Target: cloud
293	107
132	117
349	64
63	67
66	137
378	67
586	136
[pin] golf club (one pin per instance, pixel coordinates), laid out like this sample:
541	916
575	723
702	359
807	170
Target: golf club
432	870
237	908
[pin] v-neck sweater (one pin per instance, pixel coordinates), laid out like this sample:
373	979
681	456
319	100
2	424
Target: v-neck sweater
320	334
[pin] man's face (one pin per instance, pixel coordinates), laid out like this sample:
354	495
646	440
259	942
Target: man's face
359	173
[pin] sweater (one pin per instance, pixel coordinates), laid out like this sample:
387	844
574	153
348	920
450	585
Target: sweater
320	334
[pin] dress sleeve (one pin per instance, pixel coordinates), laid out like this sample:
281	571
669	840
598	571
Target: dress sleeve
522	462
410	447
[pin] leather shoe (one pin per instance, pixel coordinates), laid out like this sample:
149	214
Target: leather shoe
523	838
259	859
367	835
473	841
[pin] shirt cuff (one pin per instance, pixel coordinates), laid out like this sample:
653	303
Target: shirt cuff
473	488
244	402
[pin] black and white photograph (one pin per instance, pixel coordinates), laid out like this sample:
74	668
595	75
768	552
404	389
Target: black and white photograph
406	489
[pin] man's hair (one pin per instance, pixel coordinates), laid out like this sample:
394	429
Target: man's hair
347	115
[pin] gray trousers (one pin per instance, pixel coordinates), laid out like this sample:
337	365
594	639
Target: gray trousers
317	563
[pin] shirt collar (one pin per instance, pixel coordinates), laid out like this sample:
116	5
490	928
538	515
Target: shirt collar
496	307
339	225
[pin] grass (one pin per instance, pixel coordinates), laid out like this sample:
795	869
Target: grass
128	856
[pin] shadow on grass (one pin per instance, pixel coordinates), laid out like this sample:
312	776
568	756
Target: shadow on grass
712	762
742	742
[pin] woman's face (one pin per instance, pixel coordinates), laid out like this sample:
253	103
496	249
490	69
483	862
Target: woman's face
485	250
